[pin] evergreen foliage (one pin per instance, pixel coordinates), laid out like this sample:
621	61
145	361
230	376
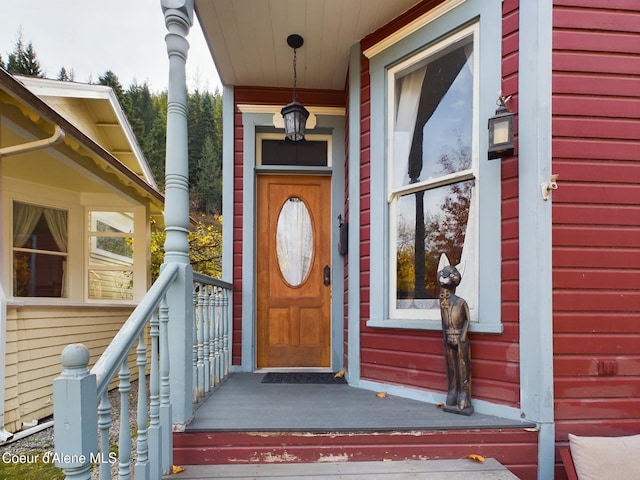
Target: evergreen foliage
23	60
65	76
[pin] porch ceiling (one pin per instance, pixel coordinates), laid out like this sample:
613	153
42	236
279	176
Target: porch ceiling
248	39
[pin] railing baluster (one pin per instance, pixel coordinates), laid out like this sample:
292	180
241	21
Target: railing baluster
165	393
199	335
155	437
195	343
219	334
226	325
124	440
204	300
210	338
212	319
104	424
142	450
216	329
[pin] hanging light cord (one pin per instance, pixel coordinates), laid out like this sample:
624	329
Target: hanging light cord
295	75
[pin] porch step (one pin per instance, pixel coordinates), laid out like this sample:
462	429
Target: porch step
516	448
432	469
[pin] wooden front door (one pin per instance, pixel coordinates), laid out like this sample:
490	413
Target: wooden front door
293	271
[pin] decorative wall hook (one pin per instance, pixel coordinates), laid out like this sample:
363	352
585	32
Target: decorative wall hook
546	187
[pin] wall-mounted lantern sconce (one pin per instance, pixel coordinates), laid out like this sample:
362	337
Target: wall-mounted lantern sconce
501	131
295	115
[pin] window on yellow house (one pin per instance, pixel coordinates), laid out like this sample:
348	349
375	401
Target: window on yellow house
110	247
40	237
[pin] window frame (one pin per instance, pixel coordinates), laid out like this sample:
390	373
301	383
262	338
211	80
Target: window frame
394	193
315	137
64	294
486	18
115	262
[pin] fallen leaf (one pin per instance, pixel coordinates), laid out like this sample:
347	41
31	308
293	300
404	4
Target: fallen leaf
340	374
477	458
176	469
381	394
440	405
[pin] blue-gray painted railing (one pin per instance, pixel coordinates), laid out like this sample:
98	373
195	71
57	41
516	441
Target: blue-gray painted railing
77	390
212	327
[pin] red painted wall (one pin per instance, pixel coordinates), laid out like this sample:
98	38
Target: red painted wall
415	358
596	217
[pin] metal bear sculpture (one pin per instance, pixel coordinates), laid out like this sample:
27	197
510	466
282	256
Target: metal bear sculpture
455	327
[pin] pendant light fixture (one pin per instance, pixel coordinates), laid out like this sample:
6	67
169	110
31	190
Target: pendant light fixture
295	115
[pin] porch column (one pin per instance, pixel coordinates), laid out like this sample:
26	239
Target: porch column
534	168
178	15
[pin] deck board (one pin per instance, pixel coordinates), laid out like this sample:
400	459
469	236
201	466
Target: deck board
432	469
242	403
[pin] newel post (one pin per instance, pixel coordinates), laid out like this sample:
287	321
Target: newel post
75	412
178	15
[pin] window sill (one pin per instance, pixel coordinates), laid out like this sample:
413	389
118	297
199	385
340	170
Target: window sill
433	325
65	303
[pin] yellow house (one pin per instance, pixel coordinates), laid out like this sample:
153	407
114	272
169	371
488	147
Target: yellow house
77	202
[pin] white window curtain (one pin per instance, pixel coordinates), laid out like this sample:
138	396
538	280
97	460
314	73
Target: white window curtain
294	243
405	123
465	289
25	219
57	222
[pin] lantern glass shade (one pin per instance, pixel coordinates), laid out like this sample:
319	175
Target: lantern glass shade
501	134
295	119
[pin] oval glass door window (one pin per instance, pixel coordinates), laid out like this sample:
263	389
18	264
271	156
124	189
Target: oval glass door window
294	241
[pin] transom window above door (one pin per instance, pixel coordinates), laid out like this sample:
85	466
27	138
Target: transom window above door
273	152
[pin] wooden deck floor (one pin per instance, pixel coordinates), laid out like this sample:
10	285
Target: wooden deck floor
243	403
431	469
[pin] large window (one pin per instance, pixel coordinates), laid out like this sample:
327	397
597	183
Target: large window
110	242
432	88
431	171
39	250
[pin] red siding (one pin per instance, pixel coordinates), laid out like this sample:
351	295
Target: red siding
596	217
238	172
416	358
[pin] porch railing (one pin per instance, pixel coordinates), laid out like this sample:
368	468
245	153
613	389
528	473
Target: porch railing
78	390
211	352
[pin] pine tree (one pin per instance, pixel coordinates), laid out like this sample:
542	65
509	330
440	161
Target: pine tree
110	79
23	61
154	144
65	76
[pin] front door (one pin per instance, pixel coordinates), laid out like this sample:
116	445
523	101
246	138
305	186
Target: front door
293	271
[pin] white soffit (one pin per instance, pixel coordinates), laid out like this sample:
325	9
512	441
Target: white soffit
248	38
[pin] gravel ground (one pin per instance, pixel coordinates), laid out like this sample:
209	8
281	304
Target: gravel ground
43	441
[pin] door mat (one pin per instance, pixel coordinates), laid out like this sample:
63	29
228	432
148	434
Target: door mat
303	378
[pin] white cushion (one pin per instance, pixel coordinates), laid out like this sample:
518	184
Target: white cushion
606	458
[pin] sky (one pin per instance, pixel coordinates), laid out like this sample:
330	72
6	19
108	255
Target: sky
93	36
